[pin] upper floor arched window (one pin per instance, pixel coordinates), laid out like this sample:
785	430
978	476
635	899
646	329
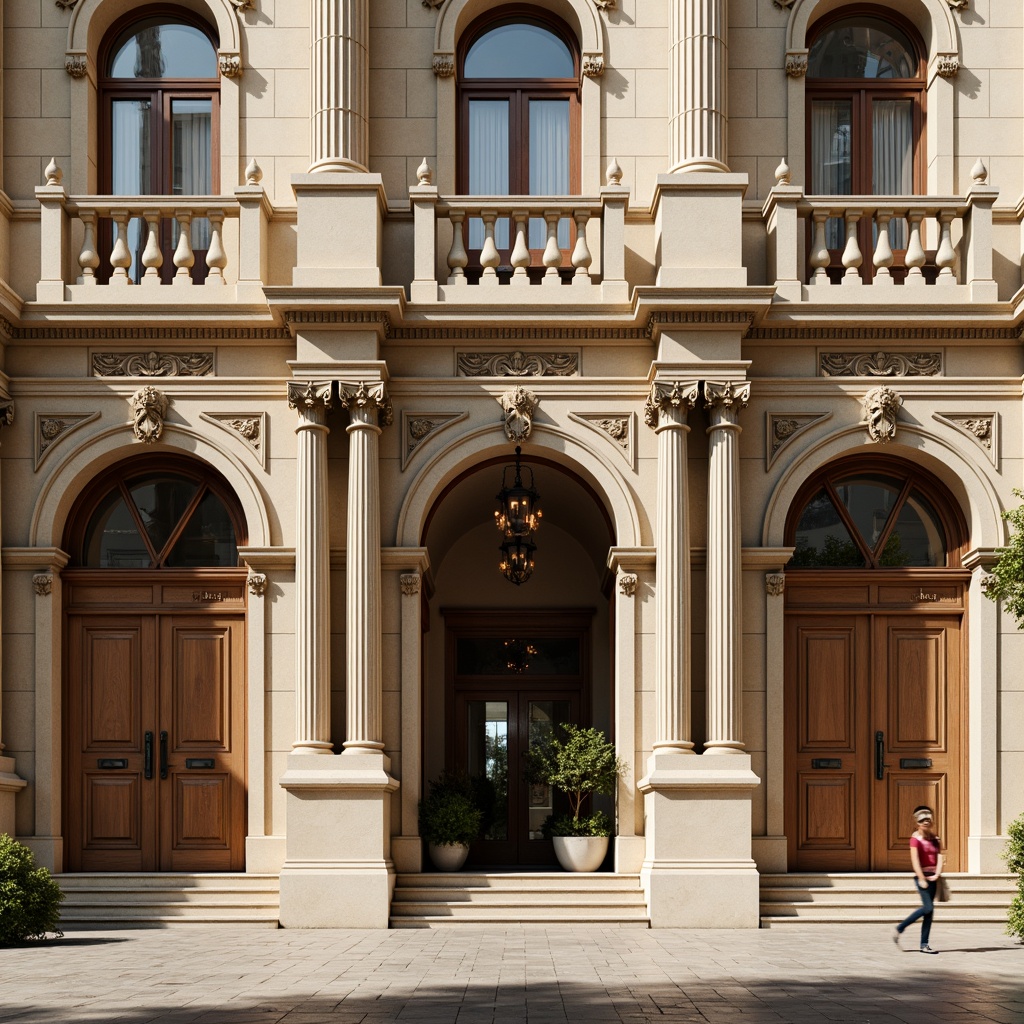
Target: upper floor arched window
518	116
866	111
159	93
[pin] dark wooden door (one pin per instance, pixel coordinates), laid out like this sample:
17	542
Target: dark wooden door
156	742
872	730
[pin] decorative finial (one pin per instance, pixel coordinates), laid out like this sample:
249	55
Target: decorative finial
54	175
253	172
979	172
783	175
614	173
425	173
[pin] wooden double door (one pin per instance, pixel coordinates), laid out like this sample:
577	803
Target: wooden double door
874	727
155	727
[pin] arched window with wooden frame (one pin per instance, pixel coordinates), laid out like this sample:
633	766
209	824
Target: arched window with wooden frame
518	117
866	93
159	120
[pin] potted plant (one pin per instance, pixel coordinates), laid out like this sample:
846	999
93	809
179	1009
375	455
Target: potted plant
449	821
580	762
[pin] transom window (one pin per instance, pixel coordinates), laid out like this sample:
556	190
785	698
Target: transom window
519	117
868	516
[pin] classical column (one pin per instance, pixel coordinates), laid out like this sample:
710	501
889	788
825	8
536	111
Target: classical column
369	410
312	399
697	86
724	569
666	410
340	85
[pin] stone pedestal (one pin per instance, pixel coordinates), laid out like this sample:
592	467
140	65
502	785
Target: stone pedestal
10	785
698	872
338	871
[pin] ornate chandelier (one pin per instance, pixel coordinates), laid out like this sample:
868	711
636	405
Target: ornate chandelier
517	517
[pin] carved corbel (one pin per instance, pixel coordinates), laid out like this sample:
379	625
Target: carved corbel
244	5
775	584
444	65
881	407
958	5
410	583
42	583
230	64
257	583
518	405
149	409
628	583
76	65
360	397
796	63
6	412
947	65
593	65
667	398
435	4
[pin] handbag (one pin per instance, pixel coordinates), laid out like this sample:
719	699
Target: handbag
942	890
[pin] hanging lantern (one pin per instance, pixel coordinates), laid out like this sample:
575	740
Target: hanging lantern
517	517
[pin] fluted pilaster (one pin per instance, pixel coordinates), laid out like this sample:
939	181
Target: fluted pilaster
369	410
340	85
312	570
724	622
697	86
667	407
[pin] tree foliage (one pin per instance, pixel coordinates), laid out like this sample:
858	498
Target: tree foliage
29	898
1014	857
1007	584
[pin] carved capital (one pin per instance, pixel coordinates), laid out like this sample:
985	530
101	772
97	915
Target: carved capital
947	66
364	397
796	64
628	583
410	582
666	397
593	65
958	5
257	583
76	65
311	394
987	581
6	412
775	584
244	5
518	405
726	396
881	407
149	409
42	583
444	65
230	65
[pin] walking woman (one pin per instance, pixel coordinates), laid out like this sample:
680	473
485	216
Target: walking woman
926	860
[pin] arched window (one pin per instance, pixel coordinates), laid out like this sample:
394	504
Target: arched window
166	515
159	93
866	113
518	126
873	514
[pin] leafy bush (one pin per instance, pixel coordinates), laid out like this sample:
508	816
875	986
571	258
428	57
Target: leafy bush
1007	583
1014	857
448	815
596	824
29	898
581	763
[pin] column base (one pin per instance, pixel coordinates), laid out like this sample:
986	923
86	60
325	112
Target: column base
10	784
264	855
407	853
698	871
984	855
337	871
629	854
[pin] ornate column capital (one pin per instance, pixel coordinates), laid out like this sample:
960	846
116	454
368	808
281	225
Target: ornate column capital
367	402
310	394
628	583
775	584
725	399
410	582
669	402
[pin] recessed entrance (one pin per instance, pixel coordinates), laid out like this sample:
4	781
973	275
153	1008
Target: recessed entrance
875	715
155	674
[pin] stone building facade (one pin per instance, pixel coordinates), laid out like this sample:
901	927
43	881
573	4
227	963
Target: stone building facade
283	283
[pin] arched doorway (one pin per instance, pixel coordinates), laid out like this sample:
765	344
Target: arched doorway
506	665
875	666
154	675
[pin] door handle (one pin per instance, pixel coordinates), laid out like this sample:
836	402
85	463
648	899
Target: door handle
880	764
163	755
147	747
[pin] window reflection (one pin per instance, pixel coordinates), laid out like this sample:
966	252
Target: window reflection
488	758
157	48
519	50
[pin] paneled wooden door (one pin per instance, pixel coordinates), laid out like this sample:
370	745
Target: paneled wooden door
156	742
873	728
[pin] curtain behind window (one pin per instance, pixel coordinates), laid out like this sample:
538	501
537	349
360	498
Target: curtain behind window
892	140
831	158
192	159
131	170
549	162
488	162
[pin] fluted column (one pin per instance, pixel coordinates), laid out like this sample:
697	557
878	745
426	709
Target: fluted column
697	86
312	570
667	407
724	571
340	85
369	410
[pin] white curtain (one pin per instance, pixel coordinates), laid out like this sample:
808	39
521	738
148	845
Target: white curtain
131	169
549	162
192	159
892	142
831	159
488	162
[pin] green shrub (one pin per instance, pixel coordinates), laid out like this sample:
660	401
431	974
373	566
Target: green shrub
1014	857
596	824
448	815
1007	582
29	898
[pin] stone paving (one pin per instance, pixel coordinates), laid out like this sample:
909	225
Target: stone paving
508	975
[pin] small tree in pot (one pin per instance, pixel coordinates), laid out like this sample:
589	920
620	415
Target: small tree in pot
449	820
578	763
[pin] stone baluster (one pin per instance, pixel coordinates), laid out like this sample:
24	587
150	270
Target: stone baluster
852	256
945	257
697	85
490	258
457	255
120	254
184	258
915	257
216	257
819	258
581	257
312	399
341	85
369	411
89	257
883	257
665	412
152	257
552	258
521	250
724	569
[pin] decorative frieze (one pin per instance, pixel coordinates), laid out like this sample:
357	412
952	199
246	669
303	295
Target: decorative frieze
782	428
796	64
444	65
880	364
628	583
665	396
881	408
42	583
152	364
410	583
361	395
775	584
517	364
981	428
705	317
230	65
257	583
250	428
418	426
149	409
518	405
76	65
345	317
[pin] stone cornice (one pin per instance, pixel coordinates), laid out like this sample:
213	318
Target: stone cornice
141	334
889	334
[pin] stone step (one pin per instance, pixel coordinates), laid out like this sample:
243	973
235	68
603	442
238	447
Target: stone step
555	881
500	897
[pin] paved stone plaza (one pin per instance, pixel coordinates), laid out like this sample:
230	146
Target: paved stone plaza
490	975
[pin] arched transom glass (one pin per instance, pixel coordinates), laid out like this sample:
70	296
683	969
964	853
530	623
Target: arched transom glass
162	48
862	48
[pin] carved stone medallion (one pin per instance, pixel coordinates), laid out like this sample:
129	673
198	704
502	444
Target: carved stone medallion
982	428
53	427
517	364
881	408
783	427
251	428
149	408
152	364
518	405
880	364
418	426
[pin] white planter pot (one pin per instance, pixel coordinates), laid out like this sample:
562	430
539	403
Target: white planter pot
580	853
449	857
